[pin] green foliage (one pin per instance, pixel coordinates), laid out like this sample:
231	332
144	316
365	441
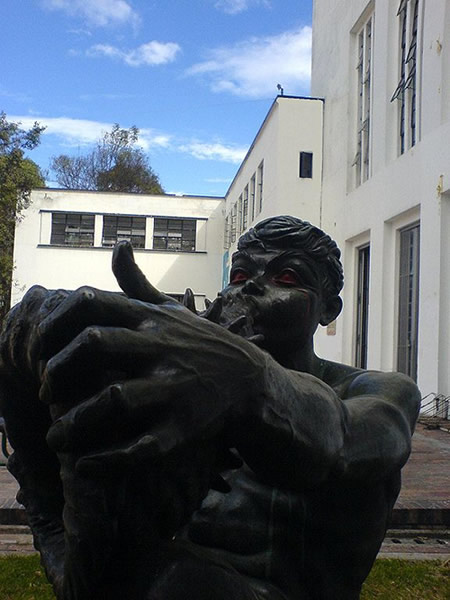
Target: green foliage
115	164
18	175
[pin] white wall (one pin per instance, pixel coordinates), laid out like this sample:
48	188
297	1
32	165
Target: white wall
38	262
292	125
400	189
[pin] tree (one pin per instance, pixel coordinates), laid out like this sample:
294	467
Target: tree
115	164
18	175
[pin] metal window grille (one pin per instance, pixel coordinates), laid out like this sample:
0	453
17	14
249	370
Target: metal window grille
72	229
239	216
245	209
252	197
408	305
176	235
364	66
260	186
406	90
362	307
117	228
227	233
233	224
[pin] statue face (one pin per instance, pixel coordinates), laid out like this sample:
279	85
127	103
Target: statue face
280	293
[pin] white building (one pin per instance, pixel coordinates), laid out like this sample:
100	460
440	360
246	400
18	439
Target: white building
66	237
281	173
383	69
367	160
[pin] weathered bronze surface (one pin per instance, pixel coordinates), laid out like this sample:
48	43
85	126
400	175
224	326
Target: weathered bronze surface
163	454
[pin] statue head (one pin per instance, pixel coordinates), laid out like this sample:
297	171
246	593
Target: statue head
285	279
286	233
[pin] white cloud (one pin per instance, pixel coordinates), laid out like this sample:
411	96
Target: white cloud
152	53
218	180
214	151
100	13
75	133
83	132
254	67
233	7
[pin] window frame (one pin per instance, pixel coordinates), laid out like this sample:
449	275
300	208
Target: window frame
362	306
364	67
122	231
408	299
168	230
73	232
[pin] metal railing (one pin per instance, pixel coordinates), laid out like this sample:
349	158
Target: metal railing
435	410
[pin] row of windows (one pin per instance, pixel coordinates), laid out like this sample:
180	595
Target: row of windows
405	93
76	229
408	303
246	209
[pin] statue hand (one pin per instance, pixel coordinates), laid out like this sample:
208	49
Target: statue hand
161	368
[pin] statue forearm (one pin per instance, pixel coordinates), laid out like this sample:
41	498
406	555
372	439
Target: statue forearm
41	494
295	431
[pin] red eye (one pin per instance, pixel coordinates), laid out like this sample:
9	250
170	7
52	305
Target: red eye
287	277
239	276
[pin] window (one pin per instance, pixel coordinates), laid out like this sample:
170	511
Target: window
408	305
362	307
239	216
118	228
252	197
227	233
233	224
177	235
72	229
361	161
260	186
306	161
245	209
406	90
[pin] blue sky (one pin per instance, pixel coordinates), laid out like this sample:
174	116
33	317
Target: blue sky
197	77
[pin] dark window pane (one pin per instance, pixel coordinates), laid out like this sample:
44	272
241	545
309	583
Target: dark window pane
72	229
306	159
177	235
119	228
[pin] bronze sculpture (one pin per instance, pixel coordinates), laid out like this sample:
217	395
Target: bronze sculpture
167	455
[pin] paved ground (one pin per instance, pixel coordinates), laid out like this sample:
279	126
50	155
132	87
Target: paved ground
421	520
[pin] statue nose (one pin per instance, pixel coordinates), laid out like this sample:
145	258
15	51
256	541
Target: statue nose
253	287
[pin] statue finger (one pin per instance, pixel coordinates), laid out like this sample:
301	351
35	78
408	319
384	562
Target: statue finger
85	307
89	362
130	277
214	310
147	448
120	411
189	300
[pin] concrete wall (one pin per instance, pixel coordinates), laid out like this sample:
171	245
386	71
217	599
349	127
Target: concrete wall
39	262
401	189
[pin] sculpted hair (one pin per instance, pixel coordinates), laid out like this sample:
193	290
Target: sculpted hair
291	233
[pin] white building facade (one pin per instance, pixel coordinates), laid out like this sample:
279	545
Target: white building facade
383	69
281	173
66	237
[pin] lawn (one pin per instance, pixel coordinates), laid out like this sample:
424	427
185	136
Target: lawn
21	578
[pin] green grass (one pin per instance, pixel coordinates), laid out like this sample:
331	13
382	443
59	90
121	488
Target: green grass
22	578
394	579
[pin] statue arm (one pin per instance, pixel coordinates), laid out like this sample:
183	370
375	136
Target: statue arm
33	464
302	432
382	411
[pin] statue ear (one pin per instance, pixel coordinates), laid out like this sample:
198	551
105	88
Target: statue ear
330	310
